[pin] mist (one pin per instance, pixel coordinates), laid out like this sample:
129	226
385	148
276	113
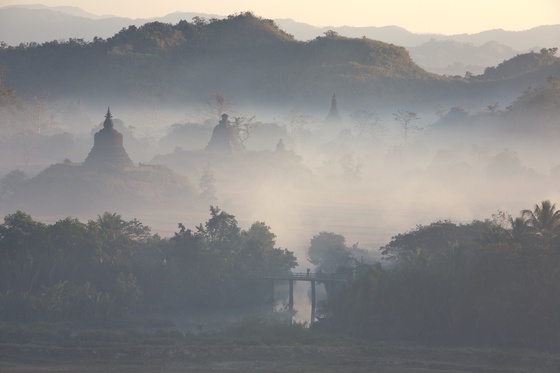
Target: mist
358	180
189	190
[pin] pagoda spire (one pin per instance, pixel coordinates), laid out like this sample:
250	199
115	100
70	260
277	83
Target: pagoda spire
333	103
108	151
108	119
333	116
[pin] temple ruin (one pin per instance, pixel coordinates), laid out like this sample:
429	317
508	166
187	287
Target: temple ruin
224	138
108	150
333	121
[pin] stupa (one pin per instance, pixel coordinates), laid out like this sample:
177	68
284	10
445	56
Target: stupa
108	150
224	138
333	121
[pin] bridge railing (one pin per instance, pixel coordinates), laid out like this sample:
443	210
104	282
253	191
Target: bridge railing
312	276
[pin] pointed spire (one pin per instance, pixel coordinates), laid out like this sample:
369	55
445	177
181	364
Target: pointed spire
333	102
333	115
108	149
108	121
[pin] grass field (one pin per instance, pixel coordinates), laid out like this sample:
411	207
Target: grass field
285	359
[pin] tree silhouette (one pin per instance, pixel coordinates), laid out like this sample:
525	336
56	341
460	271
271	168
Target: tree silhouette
405	119
544	220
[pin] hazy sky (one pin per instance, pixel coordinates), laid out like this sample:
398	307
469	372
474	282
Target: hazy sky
421	16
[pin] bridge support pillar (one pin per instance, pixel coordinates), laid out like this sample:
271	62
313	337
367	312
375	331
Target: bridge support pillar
312	301
291	296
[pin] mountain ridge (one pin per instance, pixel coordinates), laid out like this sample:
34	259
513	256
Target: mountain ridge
246	56
469	53
12	31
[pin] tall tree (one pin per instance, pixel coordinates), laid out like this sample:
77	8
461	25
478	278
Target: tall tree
328	252
244	127
405	118
544	220
23	252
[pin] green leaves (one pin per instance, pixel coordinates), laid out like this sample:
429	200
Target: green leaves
69	269
328	252
220	263
109	267
485	282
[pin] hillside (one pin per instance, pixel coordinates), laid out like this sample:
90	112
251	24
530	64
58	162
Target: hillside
72	189
38	23
244	56
250	59
449	57
522	64
437	53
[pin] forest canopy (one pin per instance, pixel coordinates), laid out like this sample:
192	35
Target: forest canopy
110	267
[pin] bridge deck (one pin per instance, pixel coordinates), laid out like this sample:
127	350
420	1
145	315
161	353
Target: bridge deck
311	276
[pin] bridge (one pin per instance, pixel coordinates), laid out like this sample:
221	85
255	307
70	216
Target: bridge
312	277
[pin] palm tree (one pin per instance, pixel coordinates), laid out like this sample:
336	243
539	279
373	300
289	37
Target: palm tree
519	229
544	220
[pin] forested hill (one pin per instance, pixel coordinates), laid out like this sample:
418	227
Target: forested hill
244	56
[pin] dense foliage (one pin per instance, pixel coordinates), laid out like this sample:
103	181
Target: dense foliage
109	267
243	55
520	64
490	282
329	253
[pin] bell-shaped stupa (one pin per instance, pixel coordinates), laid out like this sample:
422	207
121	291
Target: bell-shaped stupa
108	150
224	138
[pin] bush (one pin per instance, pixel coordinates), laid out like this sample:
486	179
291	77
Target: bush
44	334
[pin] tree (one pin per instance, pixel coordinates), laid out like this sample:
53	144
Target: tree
544	220
520	229
12	182
259	254
218	104
8	98
368	125
73	252
351	165
220	263
127	294
549	51
24	253
540	105
296	123
207	185
434	239
328	252
221	230
116	238
331	34
244	127
405	119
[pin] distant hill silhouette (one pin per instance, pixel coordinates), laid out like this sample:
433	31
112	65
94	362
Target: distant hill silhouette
66	188
523	64
39	24
450	57
244	56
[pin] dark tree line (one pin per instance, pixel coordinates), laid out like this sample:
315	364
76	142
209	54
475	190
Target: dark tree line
157	61
110	268
486	282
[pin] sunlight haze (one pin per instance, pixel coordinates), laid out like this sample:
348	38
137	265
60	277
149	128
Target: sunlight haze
429	16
